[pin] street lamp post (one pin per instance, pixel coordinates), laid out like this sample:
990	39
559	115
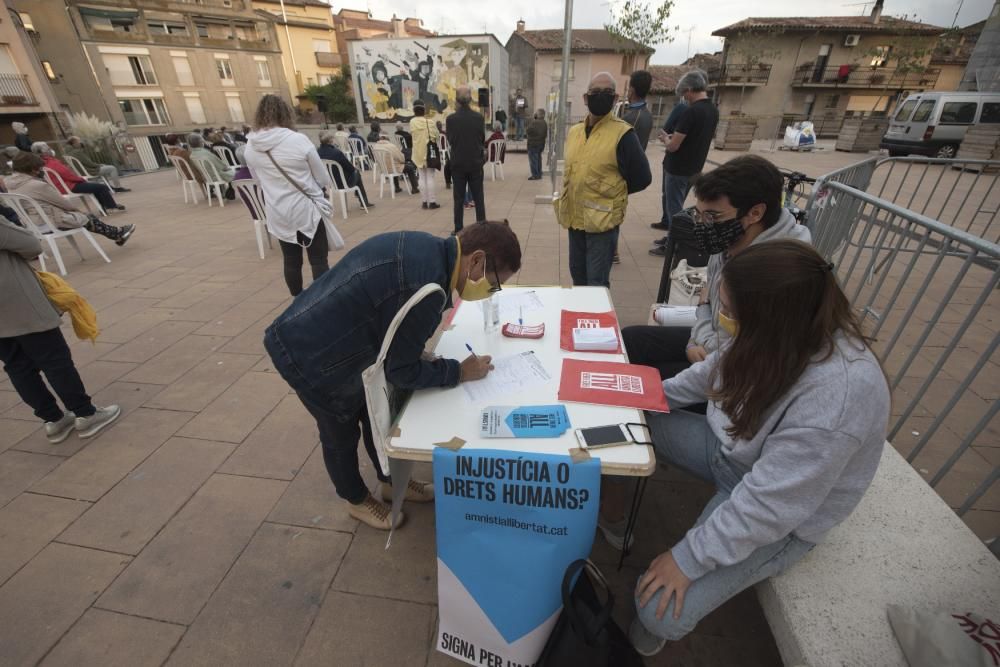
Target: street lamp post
559	136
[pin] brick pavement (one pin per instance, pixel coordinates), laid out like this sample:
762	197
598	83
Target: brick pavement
201	527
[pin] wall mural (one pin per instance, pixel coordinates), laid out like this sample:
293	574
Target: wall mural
393	73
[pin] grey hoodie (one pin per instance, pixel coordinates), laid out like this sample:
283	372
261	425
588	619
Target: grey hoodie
706	331
808	465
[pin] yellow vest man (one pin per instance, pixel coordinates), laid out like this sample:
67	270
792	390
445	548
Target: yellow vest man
604	165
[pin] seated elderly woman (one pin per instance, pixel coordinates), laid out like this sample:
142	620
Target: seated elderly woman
217	139
64	213
77	149
75	184
200	153
497	136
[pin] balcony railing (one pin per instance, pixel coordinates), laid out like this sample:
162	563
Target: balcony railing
324	59
15	91
854	76
740	75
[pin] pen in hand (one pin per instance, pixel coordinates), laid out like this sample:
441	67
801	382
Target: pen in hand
469	348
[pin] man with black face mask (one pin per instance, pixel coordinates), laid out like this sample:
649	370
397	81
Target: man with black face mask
604	165
736	206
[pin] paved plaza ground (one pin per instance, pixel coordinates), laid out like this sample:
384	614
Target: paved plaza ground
202	529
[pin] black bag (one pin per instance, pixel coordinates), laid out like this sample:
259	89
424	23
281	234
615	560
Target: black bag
585	635
433	151
685	247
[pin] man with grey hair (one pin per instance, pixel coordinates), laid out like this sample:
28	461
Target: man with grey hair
604	165
466	139
69	182
687	146
77	150
21	138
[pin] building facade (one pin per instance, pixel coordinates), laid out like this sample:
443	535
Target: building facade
356	24
536	64
780	70
25	92
308	42
155	67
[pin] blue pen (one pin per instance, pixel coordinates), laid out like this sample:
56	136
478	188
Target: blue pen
469	348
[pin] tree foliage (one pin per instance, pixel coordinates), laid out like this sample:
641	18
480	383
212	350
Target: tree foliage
642	22
335	95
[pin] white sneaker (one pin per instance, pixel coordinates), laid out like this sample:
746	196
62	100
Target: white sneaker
614	532
88	427
58	431
374	513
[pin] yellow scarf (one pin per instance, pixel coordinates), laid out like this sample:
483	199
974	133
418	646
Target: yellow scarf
67	299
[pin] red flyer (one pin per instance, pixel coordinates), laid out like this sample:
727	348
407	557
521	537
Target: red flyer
612	383
577	320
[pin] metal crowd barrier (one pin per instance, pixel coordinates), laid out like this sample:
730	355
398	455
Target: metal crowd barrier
906	237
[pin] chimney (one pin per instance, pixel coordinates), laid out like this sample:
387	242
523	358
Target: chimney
398	27
520	26
877	11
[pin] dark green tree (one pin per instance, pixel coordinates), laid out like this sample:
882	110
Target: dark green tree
336	95
641	22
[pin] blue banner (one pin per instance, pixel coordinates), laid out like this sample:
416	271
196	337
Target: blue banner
508	525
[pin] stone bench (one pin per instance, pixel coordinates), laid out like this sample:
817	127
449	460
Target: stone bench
902	545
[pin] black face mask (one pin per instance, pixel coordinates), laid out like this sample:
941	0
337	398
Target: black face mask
716	237
600	103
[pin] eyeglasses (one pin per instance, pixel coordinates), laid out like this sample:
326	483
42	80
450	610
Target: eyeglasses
703	217
496	276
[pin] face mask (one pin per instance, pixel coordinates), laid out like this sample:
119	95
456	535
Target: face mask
476	290
716	237
728	324
600	103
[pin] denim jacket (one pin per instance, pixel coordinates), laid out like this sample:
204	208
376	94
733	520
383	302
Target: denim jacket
334	329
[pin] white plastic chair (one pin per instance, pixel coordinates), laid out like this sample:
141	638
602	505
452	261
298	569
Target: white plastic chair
39	223
53	178
185	172
342	144
496	150
359	156
226	155
385	170
249	190
445	147
213	180
82	172
337	175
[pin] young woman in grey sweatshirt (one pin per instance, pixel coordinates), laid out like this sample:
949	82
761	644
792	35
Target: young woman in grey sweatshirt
798	407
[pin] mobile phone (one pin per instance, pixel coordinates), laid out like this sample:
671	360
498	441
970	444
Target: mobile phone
603	436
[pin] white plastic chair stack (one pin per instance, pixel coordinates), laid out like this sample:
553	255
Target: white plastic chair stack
385	169
359	156
90	201
185	172
226	155
249	190
213	180
337	175
82	172
495	154
33	216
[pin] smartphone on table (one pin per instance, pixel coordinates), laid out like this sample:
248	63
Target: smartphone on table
597	437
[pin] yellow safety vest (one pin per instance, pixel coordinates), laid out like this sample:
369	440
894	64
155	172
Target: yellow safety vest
594	194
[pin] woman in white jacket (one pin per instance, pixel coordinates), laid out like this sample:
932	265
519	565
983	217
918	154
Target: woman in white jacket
292	178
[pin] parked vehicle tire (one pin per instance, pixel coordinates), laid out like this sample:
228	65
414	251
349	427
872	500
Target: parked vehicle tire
897	153
947	151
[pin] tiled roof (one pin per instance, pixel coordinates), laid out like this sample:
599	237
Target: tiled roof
886	24
585	40
665	77
304	3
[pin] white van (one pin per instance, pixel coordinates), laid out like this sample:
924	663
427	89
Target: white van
934	123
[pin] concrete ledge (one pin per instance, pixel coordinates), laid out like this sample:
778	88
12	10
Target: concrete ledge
902	545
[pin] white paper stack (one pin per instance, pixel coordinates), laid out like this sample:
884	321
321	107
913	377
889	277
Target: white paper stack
598	339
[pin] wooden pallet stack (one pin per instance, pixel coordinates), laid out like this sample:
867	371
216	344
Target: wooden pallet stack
735	133
860	135
982	142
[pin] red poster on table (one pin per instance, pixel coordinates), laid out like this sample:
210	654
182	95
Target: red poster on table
612	383
577	320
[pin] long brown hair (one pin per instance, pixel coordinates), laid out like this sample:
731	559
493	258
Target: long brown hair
272	111
788	304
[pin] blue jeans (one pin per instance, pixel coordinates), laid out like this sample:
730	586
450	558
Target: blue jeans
675	191
590	257
684	439
535	162
518	128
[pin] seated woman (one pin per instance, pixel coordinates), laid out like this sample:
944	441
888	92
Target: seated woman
501	147
63	212
75	184
216	139
797	417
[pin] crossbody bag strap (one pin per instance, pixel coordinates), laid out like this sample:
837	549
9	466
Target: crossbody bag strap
418	296
293	182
